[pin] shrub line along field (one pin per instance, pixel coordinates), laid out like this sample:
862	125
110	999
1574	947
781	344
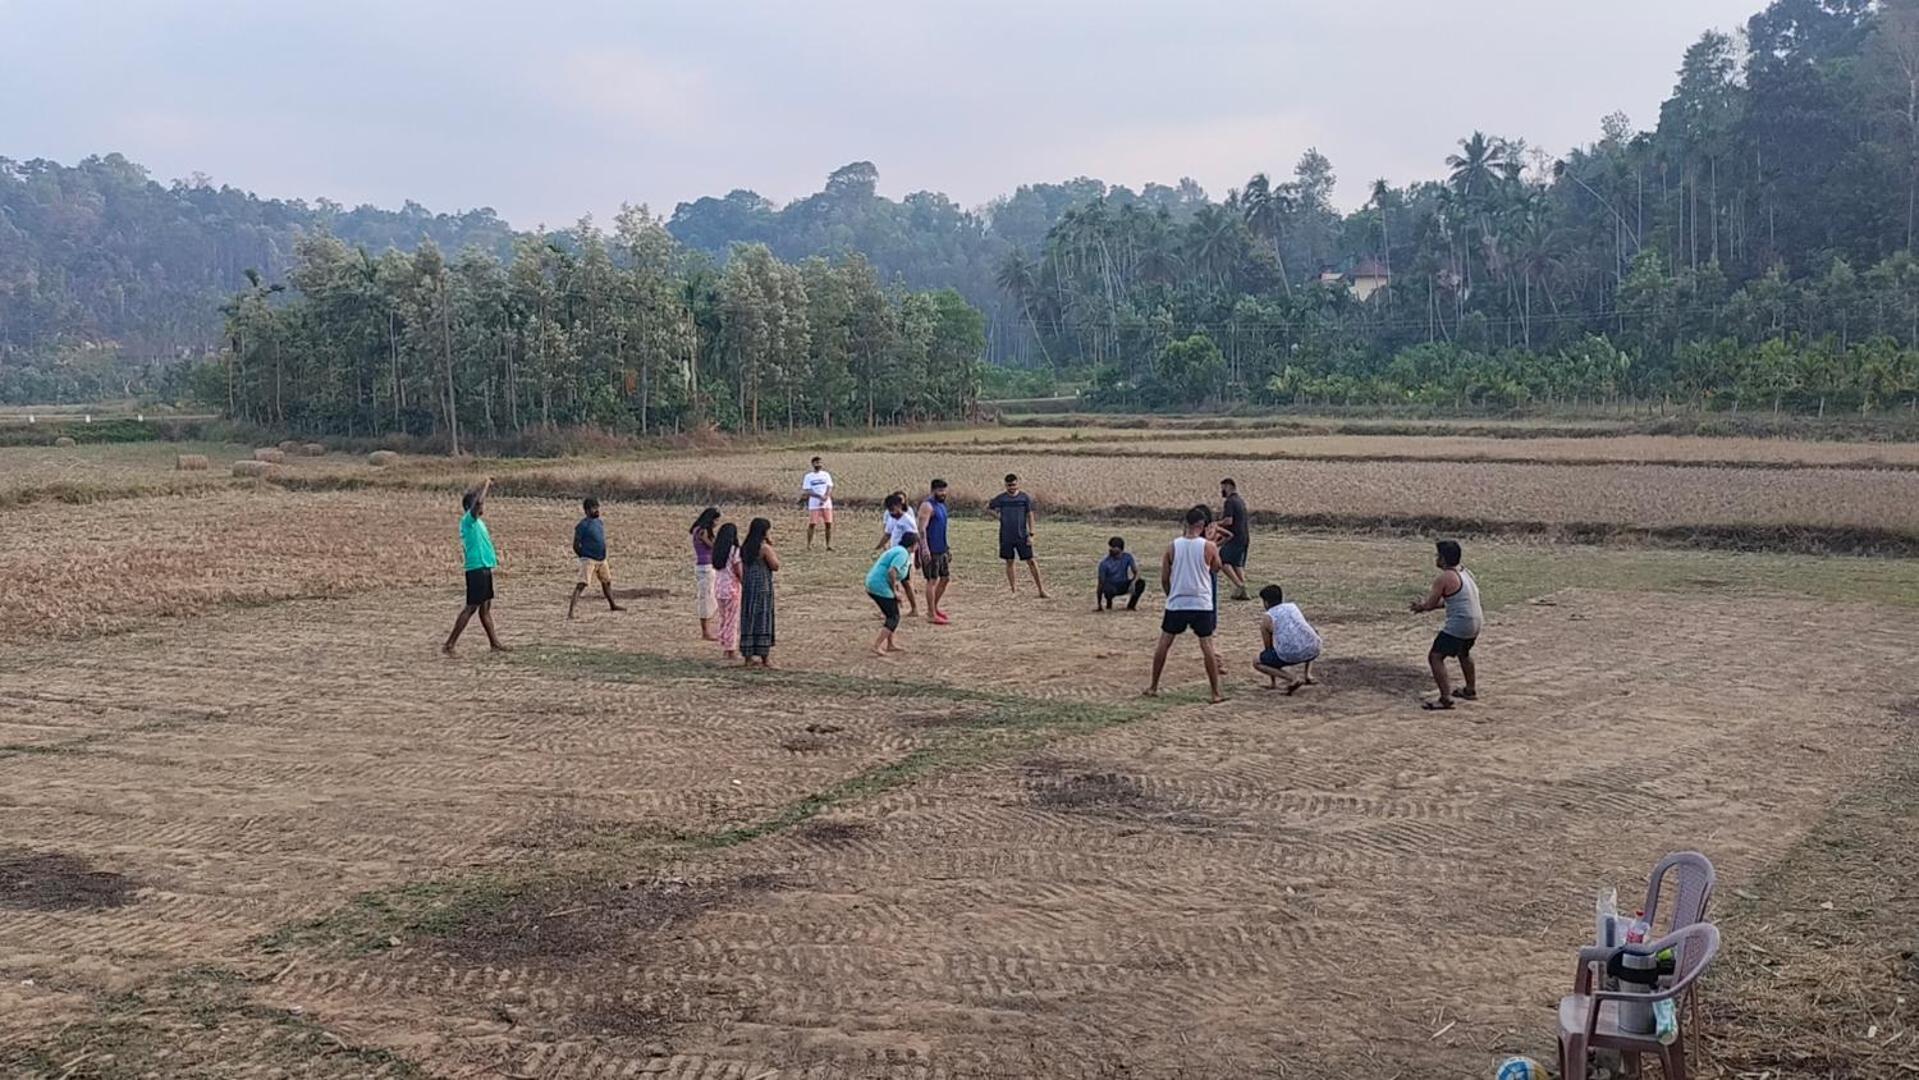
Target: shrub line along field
258	827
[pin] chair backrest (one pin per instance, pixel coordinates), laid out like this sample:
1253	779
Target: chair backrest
1693	881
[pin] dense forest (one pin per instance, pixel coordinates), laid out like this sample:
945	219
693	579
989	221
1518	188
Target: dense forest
1752	249
624	333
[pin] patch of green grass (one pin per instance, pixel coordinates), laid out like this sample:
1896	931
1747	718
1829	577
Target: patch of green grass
371	921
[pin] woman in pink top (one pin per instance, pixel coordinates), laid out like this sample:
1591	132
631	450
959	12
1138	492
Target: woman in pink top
726	587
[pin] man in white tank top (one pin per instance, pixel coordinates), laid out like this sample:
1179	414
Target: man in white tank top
1186	573
1456	591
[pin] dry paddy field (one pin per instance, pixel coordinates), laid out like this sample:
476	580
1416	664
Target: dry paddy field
254	824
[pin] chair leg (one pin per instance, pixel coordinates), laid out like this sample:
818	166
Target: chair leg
1672	1060
1572	1058
1630	1060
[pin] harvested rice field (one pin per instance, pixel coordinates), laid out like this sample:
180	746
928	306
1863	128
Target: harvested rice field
256	825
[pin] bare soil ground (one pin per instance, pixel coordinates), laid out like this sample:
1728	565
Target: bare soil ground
262	828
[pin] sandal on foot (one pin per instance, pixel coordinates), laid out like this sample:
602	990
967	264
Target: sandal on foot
1435	706
1466	695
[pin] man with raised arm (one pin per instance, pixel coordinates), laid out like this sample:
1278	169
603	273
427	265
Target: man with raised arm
476	543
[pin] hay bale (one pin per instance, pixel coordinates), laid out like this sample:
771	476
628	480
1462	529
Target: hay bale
289	446
380	459
251	469
190	462
269	455
314	449
64	440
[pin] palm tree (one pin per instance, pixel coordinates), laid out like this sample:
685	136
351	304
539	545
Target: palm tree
1475	170
1265	211
1019	278
1210	236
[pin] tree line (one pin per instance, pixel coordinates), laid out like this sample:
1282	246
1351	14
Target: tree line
624	332
1754	249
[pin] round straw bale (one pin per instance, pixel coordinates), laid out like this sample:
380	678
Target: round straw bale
64	440
254	469
382	458
289	446
190	462
269	455
314	449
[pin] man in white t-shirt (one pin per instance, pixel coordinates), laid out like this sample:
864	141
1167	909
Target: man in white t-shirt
898	520
1290	641
818	485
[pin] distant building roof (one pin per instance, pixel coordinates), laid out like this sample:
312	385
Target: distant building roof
1370	268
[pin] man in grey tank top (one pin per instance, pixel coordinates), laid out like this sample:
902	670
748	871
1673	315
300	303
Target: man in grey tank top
1456	591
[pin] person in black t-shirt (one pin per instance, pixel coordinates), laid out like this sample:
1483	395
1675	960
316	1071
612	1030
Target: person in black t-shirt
1014	509
1237	526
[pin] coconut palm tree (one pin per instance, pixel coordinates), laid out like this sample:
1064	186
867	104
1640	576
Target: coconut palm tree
1265	211
1019	279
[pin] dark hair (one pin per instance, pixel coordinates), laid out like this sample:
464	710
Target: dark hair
1117	542
938	483
589	503
1448	553
895	499
1198	515
1228	482
706	519
816	459
909	541
1011	478
755	539
466	502
724	542
1272	595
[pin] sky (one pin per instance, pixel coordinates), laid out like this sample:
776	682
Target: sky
545	111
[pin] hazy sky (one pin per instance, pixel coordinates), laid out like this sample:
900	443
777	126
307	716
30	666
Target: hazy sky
545	109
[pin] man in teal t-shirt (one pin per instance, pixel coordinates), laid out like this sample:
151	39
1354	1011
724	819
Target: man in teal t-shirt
884	583
476	543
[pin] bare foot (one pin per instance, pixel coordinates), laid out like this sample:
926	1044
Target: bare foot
1219	699
446	650
501	648
1293	688
708	637
881	653
616	607
1045	596
1151	691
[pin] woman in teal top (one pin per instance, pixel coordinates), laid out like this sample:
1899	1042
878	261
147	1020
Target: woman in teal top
476	543
884	583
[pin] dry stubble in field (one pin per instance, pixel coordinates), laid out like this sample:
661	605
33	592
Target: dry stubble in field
1629	495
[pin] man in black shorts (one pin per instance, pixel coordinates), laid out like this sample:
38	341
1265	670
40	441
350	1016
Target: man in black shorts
936	558
1186	573
1014	509
1238	526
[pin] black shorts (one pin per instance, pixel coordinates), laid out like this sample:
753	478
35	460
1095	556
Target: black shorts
1201	623
1447	645
938	565
1022	548
479	587
889	607
1233	553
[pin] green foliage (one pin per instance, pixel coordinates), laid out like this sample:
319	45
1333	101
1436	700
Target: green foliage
624	333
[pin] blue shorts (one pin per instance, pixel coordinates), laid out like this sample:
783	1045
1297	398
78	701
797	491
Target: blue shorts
1269	658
